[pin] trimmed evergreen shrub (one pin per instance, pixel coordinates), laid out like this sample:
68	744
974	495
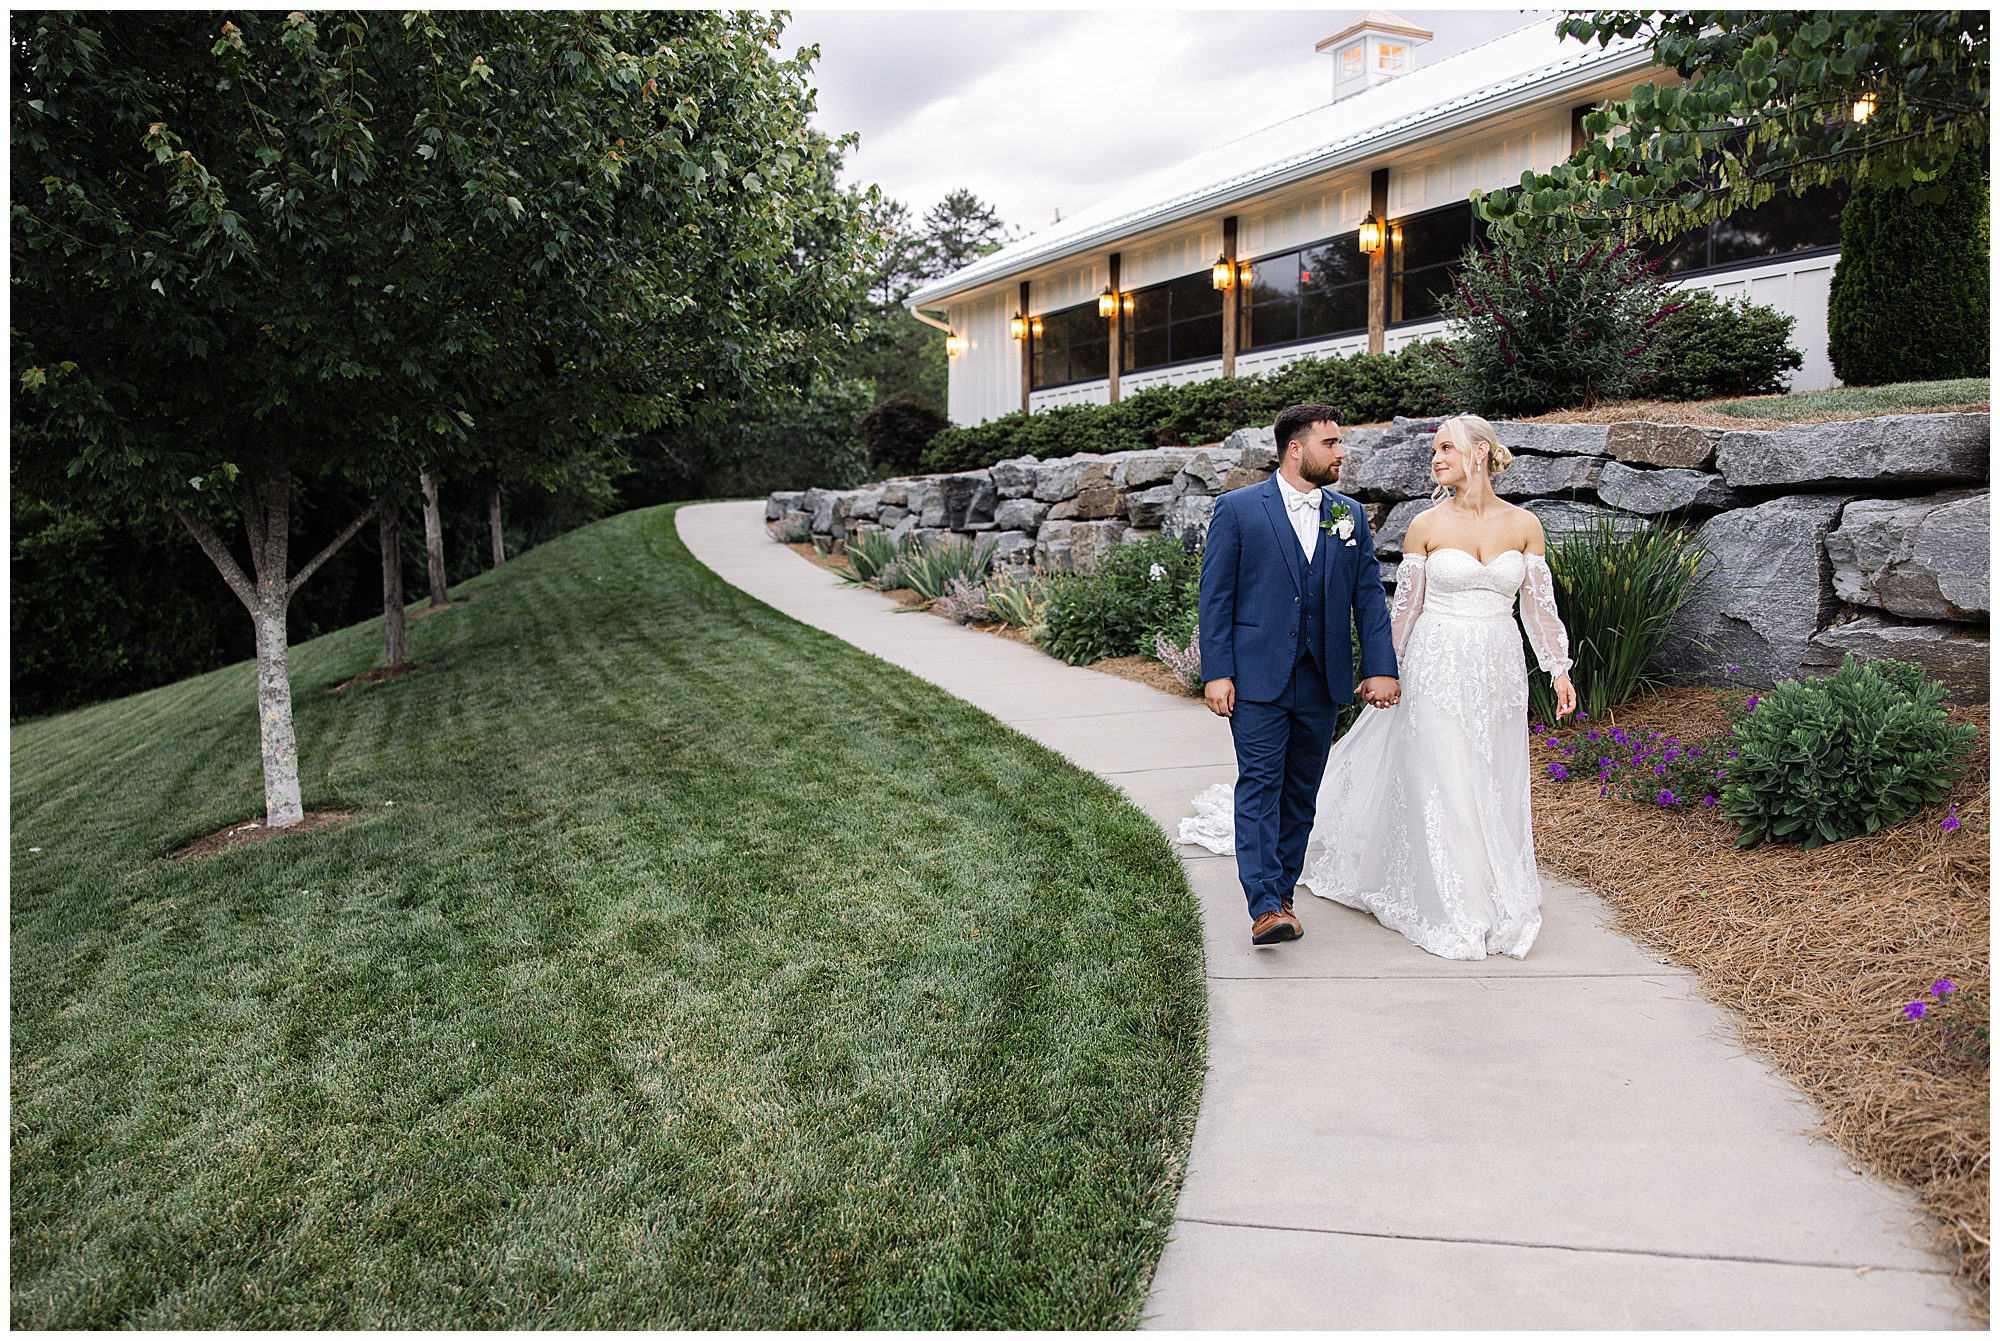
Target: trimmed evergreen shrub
1368	388
1548	323
1716	347
1909	300
896	429
1856	751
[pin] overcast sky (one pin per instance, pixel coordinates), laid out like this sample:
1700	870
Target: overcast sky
1039	111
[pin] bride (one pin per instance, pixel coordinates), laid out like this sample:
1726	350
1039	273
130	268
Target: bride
1423	808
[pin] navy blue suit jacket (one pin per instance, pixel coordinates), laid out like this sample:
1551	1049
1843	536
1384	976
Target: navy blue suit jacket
1252	582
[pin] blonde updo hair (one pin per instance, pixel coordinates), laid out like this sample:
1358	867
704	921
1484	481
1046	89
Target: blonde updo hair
1465	432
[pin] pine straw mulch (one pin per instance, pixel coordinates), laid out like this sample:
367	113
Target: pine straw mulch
1696	412
1816	953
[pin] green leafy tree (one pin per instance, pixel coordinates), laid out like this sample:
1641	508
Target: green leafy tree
958	230
1769	104
265	257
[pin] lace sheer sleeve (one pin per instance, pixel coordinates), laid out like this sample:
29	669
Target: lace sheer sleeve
1409	601
1538	616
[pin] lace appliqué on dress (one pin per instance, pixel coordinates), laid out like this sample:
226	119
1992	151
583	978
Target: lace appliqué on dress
1539	617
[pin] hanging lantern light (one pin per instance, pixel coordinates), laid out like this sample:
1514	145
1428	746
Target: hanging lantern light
1018	327
1125	301
1223	273
1371	234
1036	327
954	344
1107	302
1864	107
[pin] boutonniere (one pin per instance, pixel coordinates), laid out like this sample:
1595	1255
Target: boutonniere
1338	522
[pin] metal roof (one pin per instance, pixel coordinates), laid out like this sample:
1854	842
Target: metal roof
1513	68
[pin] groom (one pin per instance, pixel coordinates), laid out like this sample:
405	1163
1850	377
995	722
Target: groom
1288	569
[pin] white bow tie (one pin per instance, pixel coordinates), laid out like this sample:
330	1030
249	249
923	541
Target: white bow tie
1302	502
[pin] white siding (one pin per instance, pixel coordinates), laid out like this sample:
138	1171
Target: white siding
1174	376
1324	210
1449	177
985	380
1077	393
1797	288
1069	287
1170	257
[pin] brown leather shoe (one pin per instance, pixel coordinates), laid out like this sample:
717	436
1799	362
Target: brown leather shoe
1273	927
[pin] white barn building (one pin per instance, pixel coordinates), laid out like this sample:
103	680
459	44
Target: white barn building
1279	216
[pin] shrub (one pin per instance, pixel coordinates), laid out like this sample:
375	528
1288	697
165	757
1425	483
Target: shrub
1141	589
1366	387
896	429
1616	590
929	569
1910	300
1716	348
1547	323
872	558
964	600
1825	759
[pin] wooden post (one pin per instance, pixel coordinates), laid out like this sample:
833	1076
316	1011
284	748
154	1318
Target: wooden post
1117	327
1576	136
1232	298
1027	350
1378	264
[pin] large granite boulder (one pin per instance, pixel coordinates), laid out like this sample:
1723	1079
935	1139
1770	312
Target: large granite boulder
1764	590
1057	479
1138	470
1912	447
1683	446
1014	477
1075	546
1203	471
1670	489
1560	516
1256	448
1013	548
1548	476
1400	470
895	493
1955	654
967	498
781	502
1020	514
1404	427
819	504
1369	437
1924	558
918	499
1096	498
1147	508
1187	518
1550	439
1389	535
888	516
864	505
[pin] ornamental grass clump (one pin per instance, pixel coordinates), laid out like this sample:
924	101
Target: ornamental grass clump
1016	598
929	569
872	560
1552	323
1617	589
1851	753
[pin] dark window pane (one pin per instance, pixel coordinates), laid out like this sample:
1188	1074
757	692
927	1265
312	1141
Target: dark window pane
1195	296
1275	323
1413	297
1149	349
1432	239
1782	224
1333	312
1090	359
1274	277
1149	310
1197	339
1334	263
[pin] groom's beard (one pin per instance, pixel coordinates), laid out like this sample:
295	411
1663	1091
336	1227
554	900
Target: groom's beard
1320	477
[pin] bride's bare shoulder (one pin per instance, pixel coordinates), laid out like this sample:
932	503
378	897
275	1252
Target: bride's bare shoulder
1423	527
1531	539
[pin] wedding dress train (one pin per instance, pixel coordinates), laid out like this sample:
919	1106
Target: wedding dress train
1422	816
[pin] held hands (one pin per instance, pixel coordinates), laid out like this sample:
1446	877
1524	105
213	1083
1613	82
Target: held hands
1382	691
1565	695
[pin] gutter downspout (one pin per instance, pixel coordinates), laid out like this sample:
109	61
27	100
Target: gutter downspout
929	321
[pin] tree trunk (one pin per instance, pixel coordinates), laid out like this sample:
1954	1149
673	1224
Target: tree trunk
395	636
282	804
493	521
267	518
433	538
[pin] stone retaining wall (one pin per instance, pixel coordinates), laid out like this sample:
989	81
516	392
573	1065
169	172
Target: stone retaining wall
1866	536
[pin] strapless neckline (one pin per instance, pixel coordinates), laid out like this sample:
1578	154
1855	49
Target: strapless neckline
1483	563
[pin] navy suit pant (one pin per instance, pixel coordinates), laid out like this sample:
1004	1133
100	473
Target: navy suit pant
1281	750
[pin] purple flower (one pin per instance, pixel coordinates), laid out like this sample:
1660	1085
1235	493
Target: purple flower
1667	798
1943	986
1708	800
1915	1010
1559	773
1751	706
1950	823
1732	670
1583	717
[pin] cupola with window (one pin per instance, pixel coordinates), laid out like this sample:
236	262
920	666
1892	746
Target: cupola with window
1377	47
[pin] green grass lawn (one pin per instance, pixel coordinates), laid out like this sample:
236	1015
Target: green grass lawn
684	967
1890	399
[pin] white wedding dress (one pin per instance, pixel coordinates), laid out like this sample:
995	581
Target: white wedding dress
1422	815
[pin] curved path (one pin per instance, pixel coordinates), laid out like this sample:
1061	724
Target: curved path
1391	1140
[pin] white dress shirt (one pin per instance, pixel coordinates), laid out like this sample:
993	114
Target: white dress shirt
1303	511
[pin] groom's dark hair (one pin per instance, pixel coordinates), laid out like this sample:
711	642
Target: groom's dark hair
1295	421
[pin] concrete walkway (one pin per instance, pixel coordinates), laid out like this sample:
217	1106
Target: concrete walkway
1392	1140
